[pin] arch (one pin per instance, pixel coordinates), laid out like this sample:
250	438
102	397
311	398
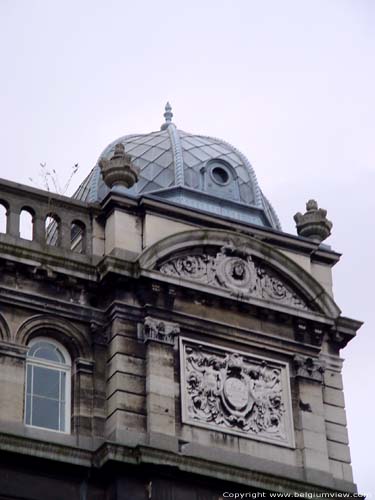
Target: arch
300	279
27	216
58	329
4	330
4	209
52	228
78	236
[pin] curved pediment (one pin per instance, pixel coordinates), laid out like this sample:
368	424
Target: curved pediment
240	265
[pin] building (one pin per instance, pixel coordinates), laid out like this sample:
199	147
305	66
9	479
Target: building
163	338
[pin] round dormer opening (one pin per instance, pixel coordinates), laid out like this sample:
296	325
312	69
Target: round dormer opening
219	174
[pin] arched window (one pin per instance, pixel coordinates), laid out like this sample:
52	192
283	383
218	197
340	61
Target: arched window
3	217
48	375
52	230
77	237
26	224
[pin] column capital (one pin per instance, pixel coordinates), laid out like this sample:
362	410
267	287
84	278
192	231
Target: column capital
160	330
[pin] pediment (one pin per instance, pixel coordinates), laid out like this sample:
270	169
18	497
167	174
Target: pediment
236	270
239	266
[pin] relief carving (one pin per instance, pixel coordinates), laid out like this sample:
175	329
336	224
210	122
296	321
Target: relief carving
160	331
234	269
306	367
233	392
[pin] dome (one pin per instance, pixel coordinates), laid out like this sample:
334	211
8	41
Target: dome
197	171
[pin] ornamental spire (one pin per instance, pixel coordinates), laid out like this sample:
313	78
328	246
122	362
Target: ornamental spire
168	115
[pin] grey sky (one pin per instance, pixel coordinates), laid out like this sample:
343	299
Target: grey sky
290	83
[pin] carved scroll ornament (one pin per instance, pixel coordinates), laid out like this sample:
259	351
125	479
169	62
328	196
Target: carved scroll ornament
235	393
236	271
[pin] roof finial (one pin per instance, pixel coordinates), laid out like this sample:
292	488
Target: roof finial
168	115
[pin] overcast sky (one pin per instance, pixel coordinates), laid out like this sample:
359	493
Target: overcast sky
290	83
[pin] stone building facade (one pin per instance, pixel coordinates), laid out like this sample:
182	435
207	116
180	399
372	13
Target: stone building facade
162	338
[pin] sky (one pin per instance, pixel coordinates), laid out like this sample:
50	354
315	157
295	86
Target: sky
290	83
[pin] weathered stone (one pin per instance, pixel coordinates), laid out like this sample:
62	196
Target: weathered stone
247	299
335	414
119	170
339	451
314	223
336	432
333	397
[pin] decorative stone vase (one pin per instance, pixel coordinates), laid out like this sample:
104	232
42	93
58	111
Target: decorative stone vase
313	224
119	170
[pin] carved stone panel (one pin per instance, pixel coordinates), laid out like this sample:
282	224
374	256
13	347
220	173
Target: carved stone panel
309	368
160	331
236	270
235	392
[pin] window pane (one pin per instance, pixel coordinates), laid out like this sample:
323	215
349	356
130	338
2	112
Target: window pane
62	417
47	351
45	413
62	386
46	382
28	410
28	378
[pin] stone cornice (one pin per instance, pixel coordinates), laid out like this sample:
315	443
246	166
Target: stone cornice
148	204
50	305
12	350
223	466
46	259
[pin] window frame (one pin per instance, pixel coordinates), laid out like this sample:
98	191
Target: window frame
64	368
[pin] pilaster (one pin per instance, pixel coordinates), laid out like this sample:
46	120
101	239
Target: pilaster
309	375
159	337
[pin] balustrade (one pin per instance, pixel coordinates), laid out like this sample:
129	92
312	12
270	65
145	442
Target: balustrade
47	220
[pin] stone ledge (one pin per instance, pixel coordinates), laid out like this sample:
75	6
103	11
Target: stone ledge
194	459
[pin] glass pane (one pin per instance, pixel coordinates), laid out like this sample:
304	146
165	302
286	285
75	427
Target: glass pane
62	386
28	410
45	350
46	382
62	417
28	378
45	413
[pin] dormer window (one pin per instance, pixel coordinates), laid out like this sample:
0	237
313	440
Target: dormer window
219	178
220	174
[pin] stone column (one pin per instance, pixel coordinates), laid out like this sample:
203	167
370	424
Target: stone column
39	230
13	223
65	235
160	337
311	423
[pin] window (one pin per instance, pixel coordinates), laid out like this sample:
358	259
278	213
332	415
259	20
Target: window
48	373
220	175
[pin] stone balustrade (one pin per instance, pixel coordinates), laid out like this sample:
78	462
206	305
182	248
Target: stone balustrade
46	219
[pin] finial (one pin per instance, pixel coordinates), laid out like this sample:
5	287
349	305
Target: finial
119	169
168	115
313	223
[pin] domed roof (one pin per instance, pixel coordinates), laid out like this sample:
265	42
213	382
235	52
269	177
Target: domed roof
197	171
